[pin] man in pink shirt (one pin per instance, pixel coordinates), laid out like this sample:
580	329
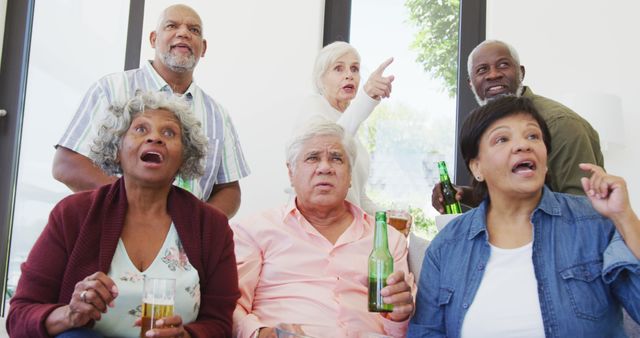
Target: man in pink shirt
306	262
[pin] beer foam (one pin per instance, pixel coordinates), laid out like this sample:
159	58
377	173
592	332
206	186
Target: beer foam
155	301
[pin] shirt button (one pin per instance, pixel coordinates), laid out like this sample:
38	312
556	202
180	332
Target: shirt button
480	267
465	305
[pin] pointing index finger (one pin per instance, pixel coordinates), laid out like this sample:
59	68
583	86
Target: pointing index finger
590	167
383	66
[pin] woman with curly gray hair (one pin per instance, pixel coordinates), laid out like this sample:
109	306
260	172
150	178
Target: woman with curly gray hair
88	266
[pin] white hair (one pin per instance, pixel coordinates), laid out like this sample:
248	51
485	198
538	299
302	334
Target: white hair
327	56
112	129
516	58
512	51
316	128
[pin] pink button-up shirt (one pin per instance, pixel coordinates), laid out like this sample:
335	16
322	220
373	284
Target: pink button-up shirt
289	273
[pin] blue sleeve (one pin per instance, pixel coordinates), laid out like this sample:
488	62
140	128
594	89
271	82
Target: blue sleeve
428	319
621	270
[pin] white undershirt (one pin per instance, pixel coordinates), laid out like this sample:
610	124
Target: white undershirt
506	304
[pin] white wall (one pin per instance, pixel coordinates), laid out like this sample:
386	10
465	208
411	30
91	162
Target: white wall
259	59
579	46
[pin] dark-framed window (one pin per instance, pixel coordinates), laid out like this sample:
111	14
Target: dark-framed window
337	22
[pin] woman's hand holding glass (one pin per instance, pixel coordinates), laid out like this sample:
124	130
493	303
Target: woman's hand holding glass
167	327
398	293
610	197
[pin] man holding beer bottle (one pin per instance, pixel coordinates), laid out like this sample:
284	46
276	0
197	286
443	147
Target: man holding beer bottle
495	71
306	262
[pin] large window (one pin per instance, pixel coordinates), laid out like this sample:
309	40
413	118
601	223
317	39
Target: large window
74	42
407	134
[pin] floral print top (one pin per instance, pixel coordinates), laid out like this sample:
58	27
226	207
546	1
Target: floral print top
171	262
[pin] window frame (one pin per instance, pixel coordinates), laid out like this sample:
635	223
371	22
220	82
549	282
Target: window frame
472	31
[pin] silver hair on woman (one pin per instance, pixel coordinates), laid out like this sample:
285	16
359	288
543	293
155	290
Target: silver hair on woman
105	148
319	127
326	57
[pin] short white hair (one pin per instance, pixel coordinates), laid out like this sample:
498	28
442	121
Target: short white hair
316	128
326	57
512	51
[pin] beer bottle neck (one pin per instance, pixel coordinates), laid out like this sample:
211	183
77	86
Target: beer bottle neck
444	174
444	178
380	237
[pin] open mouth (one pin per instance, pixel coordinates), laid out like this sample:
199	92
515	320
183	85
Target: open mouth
349	87
495	90
151	157
523	166
182	46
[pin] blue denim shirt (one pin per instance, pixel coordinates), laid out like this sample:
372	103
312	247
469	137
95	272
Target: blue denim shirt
585	271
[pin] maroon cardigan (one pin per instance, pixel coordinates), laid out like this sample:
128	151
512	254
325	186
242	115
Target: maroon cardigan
81	237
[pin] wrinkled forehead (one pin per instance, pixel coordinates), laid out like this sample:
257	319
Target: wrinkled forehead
323	143
159	114
180	13
347	58
490	53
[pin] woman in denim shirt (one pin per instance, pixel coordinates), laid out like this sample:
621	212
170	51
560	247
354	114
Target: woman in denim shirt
529	262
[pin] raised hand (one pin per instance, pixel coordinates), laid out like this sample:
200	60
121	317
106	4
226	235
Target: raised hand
608	194
379	86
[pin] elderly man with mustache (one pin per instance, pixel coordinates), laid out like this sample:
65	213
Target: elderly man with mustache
179	44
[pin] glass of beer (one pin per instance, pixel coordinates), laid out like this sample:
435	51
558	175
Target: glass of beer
158	297
399	219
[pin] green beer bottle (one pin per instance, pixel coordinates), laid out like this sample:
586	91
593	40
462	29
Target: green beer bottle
451	204
380	265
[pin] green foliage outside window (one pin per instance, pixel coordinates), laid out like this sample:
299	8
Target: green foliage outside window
436	41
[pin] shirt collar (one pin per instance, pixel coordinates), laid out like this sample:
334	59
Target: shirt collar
361	219
548	204
161	85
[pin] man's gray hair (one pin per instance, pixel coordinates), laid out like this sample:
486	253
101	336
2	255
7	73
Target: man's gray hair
316	128
106	146
512	51
327	56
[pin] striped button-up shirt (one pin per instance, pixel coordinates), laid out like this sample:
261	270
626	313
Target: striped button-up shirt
224	159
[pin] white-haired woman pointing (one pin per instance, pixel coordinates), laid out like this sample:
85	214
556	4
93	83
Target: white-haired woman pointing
336	77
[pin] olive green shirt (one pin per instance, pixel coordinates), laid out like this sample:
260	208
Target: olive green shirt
573	141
